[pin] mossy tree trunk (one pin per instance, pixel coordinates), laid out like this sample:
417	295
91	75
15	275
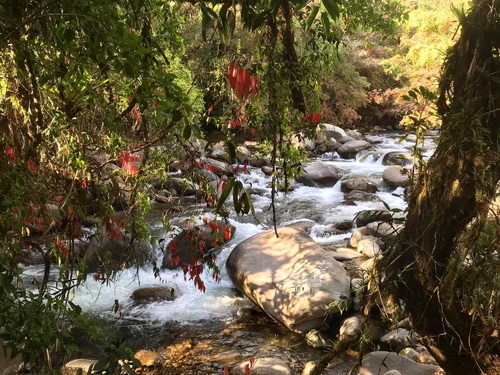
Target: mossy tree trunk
454	189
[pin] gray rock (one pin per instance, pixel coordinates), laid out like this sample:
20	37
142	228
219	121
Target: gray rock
220	168
396	176
263	366
332	131
291	277
328	146
398	339
369	216
397	158
393	372
321	175
341	254
155	293
354	134
181	186
351	327
375	139
359	184
387	232
316	339
410	353
361	196
350	149
376	363
345	139
258	162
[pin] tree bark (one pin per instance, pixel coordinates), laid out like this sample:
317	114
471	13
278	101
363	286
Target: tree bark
456	186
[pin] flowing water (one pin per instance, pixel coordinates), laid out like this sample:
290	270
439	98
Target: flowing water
208	316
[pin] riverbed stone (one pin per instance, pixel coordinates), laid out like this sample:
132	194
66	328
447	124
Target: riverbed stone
350	149
328	146
220	168
147	358
332	131
321	175
397	158
361	196
354	134
316	339
410	353
368	246
398	339
359	184
263	366
195	242
380	362
396	176
155	293
387	232
345	139
342	254
72	367
290	277
350	328
369	216
357	235
375	139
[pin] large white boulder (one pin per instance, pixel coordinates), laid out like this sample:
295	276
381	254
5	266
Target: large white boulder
396	176
290	277
321	175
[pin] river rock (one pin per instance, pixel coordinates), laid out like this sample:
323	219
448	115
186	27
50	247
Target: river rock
354	134
342	254
147	358
291	277
72	367
155	293
332	131
387	232
397	158
112	246
321	175
375	139
181	186
263	366
220	168
195	242
368	246
361	196
316	339
257	162
396	176
218	152
359	184
328	146
345	139
350	149
398	339
350	328
357	235
369	216
376	363
410	353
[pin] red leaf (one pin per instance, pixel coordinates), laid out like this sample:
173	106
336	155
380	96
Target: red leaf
246	83
254	81
227	233
126	159
247	370
136	114
32	167
238	88
9	151
232	73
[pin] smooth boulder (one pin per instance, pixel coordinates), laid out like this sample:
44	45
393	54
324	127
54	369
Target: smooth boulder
359	184
321	175
349	149
376	363
290	277
396	176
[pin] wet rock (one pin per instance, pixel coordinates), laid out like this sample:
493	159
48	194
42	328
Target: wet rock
348	202
345	139
109	245
375	139
321	175
350	328
268	171
344	225
258	162
72	367
362	196
328	146
181	186
220	168
387	232
350	149
195	242
332	131
358	184
263	366
316	339
368	246
155	293
397	158
354	134
147	358
291	277
369	216
396	176
357	235
376	363
398	339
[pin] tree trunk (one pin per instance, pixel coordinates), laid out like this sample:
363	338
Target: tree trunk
455	187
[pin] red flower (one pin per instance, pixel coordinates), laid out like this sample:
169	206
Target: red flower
227	233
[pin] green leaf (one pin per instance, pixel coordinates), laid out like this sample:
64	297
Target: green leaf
176	115
231	150
225	193
326	24
312	17
238	186
332	8
186	132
